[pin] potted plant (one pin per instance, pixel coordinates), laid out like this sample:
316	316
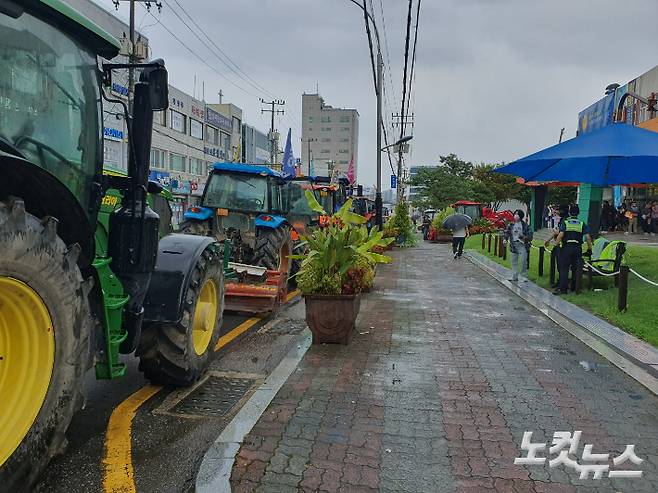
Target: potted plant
437	233
337	266
402	225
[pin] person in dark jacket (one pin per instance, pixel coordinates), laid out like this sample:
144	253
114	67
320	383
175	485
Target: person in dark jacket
518	235
572	233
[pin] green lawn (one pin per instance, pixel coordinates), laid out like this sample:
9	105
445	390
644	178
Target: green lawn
641	318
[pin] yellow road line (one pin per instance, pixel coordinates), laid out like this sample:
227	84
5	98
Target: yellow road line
118	474
292	295
244	326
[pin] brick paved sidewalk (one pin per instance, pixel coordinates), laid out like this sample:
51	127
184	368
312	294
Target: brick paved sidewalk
434	395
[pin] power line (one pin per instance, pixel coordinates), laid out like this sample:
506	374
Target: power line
406	61
413	57
388	57
196	55
229	62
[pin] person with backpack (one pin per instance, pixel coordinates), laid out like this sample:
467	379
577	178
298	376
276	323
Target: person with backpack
518	235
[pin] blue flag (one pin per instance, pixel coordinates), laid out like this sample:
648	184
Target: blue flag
288	165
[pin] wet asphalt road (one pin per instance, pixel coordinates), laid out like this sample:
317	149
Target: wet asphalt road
166	449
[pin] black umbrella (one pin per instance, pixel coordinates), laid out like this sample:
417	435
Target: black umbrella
457	221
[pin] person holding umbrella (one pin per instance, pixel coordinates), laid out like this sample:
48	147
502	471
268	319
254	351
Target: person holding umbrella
518	236
458	223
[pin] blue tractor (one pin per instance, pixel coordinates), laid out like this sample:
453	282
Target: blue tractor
245	205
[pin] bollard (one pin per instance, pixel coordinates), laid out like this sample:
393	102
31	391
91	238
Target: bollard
527	259
540	267
483	239
504	247
622	301
496	247
501	253
489	243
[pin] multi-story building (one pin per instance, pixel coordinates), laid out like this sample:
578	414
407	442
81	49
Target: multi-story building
604	112
414	192
187	138
255	146
233	113
330	136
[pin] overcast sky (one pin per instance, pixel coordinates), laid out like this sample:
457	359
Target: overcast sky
495	79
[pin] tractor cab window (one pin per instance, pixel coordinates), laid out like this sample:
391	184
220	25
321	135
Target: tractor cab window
49	101
326	199
297	199
237	191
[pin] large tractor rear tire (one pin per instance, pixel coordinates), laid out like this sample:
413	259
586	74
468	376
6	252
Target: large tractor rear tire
179	354
273	248
45	327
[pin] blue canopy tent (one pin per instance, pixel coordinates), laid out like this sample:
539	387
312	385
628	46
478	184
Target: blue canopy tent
618	154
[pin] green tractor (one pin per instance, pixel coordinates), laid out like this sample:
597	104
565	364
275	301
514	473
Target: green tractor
88	270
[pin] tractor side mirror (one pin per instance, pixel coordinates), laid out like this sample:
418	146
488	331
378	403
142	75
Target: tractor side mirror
158	89
158	84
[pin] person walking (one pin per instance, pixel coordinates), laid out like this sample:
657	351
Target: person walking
632	214
458	239
425	226
518	236
572	231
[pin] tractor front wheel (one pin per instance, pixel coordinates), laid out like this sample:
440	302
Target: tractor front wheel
179	353
45	326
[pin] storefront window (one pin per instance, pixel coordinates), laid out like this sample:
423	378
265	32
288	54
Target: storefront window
176	162
157	158
196	129
197	166
177	121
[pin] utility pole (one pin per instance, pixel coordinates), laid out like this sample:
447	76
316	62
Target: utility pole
131	58
275	102
308	143
131	54
402	121
561	135
221	95
378	193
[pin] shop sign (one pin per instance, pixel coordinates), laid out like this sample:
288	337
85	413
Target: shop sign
198	111
119	89
214	152
177	102
180	186
217	120
162	177
113	134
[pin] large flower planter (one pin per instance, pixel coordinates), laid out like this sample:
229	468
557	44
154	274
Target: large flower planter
332	318
442	238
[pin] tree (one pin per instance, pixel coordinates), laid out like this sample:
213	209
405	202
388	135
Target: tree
450	181
498	187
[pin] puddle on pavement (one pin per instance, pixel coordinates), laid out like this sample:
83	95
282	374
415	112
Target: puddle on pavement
590	366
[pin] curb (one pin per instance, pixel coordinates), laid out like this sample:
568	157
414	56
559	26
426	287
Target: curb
634	357
215	471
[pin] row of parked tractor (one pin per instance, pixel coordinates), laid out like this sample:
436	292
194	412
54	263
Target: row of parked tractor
260	217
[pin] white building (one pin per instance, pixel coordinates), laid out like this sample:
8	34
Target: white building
330	134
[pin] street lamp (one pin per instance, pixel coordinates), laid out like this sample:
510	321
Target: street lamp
403	140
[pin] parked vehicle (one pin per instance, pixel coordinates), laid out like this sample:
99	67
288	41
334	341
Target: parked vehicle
89	269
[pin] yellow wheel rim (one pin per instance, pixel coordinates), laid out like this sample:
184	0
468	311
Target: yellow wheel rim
27	356
205	317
